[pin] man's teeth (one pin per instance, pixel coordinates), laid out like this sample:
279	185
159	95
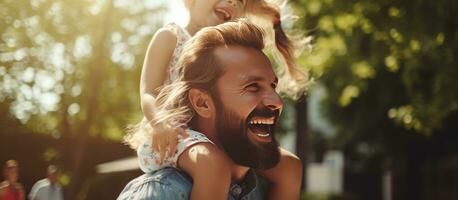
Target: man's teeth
262	121
263	135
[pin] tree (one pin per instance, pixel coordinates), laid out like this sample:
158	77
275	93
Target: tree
388	67
71	68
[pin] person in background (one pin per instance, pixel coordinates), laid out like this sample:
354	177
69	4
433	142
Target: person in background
48	188
10	189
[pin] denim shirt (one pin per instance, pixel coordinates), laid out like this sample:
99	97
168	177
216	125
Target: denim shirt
170	183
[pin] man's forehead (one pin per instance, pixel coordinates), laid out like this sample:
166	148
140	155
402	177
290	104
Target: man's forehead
245	63
229	52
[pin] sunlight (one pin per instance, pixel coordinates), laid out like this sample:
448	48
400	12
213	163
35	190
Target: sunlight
176	12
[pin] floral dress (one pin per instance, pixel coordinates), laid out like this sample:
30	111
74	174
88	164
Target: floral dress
149	160
182	37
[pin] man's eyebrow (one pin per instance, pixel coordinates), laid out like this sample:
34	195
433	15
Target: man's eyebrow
248	79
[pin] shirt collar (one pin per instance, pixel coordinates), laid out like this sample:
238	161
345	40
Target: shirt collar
246	186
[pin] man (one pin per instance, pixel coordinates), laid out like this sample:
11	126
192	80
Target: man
48	188
10	189
227	92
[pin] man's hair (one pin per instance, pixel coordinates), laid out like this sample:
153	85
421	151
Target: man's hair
199	68
51	169
10	164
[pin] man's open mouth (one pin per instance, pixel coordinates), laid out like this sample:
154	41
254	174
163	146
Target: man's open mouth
262	127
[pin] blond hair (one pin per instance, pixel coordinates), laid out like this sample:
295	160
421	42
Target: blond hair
199	68
293	79
10	164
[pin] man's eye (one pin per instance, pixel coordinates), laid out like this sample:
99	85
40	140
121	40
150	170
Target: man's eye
274	85
254	87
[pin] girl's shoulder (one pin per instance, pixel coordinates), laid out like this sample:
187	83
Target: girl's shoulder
177	30
197	144
165	39
172	32
166	32
194	136
171	27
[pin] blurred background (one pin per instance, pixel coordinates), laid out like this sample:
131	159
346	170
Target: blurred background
380	121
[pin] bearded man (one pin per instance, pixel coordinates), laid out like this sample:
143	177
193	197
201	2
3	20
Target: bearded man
226	91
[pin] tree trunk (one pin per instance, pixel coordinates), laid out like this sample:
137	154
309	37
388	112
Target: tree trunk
95	77
301	131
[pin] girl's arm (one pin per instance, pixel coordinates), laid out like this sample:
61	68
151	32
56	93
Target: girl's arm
154	70
286	177
209	169
153	75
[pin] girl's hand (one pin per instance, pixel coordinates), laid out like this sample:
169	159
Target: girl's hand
165	141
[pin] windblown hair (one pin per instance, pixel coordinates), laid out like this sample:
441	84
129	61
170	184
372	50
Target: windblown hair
199	68
293	80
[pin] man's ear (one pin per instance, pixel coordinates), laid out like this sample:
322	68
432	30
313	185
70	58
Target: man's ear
201	102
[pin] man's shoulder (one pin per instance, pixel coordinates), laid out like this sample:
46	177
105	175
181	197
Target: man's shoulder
41	183
167	183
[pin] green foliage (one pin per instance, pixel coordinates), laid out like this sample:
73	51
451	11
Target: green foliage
72	67
393	60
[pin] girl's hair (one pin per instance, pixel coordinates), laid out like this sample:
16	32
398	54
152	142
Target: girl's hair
293	80
199	68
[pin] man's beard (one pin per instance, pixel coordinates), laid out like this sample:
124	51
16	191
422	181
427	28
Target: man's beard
232	133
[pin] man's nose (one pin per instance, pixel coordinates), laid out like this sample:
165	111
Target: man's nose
273	101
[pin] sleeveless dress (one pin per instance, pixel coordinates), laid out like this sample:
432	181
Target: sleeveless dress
182	37
147	158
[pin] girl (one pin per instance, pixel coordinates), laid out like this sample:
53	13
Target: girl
160	67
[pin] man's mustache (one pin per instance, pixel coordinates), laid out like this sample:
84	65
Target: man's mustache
264	112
